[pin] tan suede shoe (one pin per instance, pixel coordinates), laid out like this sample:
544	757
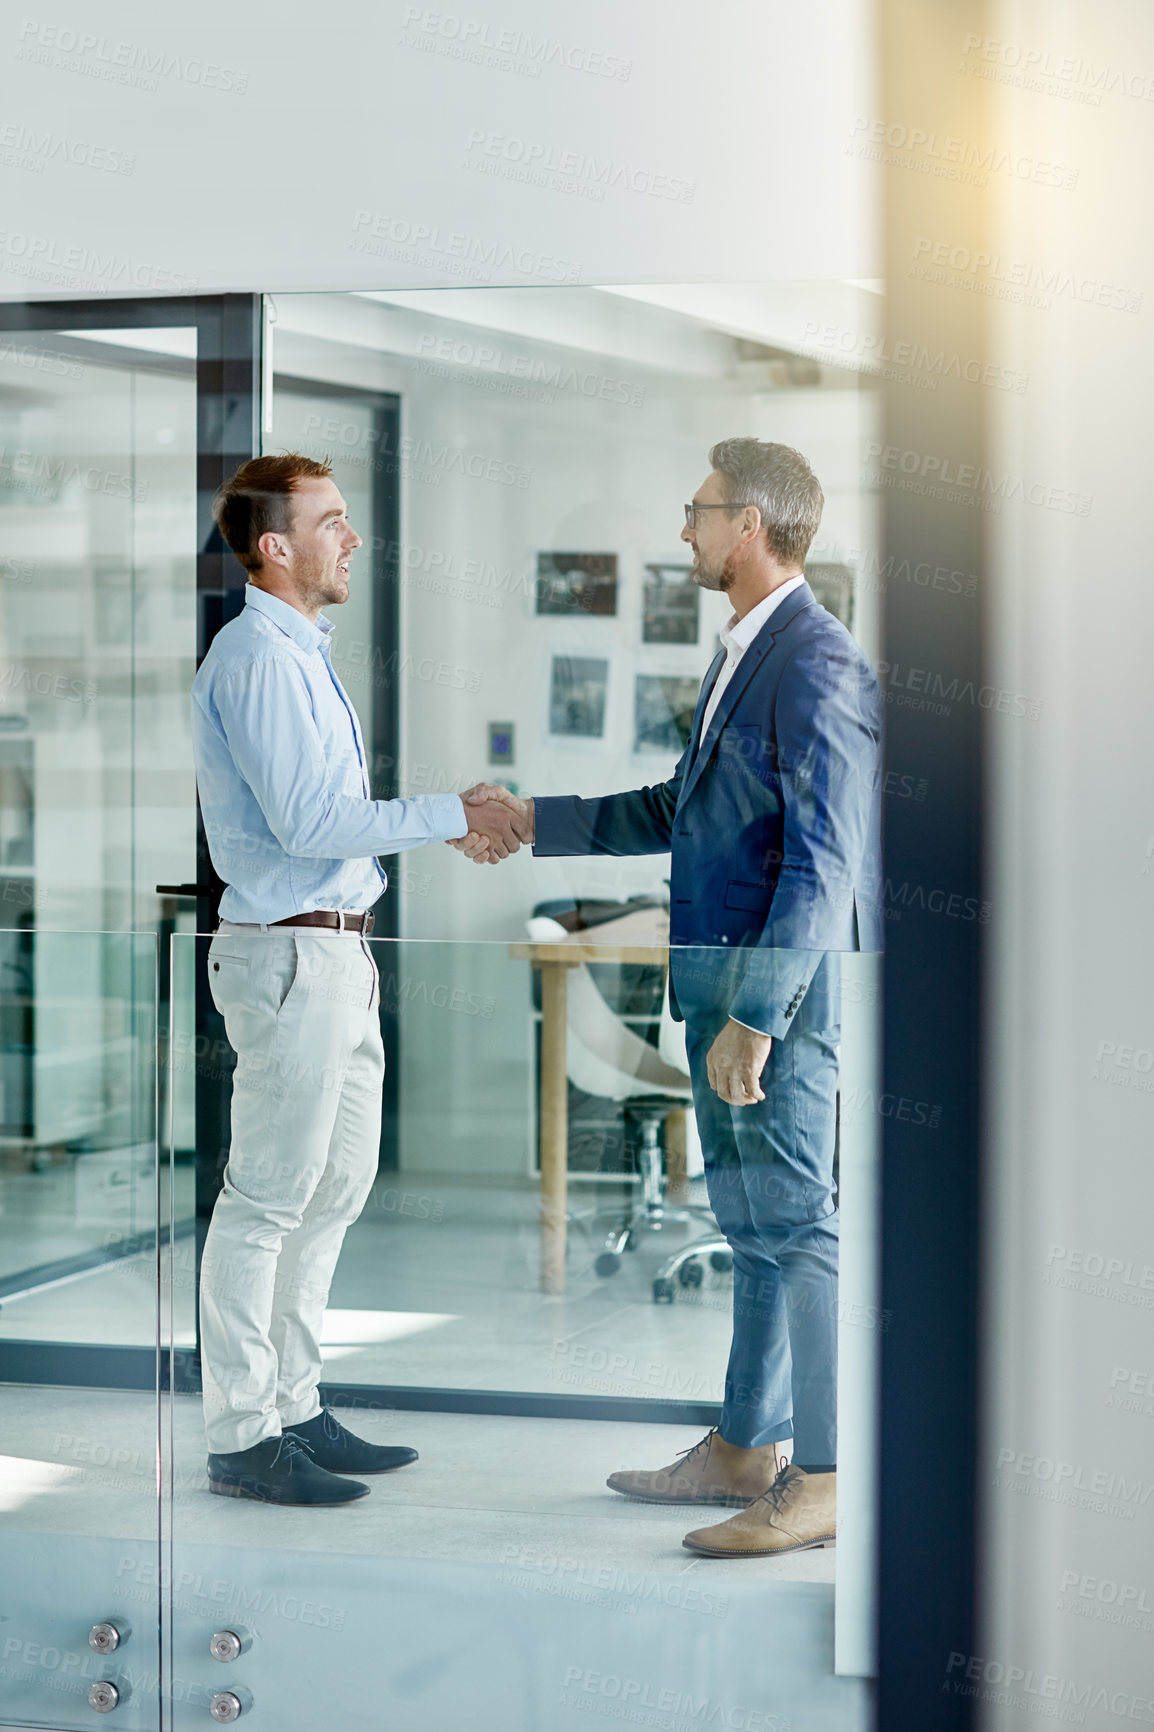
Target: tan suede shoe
713	1471
797	1513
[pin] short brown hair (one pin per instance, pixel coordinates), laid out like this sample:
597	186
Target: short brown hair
259	499
779	481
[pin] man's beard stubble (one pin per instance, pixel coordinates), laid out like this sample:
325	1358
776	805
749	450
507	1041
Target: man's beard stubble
326	588
722	580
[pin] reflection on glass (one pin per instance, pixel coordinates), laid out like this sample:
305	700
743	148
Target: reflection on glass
78	1268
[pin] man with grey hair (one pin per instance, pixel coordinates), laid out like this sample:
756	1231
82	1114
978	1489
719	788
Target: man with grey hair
772	817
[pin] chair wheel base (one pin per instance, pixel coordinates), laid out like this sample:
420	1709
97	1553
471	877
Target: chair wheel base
722	1261
691	1274
663	1291
607	1263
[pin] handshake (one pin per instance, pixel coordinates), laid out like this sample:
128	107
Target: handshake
498	824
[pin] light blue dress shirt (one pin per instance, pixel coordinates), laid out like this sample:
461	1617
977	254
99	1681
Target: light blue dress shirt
280	768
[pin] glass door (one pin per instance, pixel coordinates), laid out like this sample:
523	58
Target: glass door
111	416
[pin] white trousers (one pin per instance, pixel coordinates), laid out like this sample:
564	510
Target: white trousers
300	1010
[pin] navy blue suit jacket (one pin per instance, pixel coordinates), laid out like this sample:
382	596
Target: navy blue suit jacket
774	823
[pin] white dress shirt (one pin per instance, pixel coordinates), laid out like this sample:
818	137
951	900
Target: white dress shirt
736	638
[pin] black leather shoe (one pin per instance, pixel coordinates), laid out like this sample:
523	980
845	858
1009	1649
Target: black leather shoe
339	1451
279	1470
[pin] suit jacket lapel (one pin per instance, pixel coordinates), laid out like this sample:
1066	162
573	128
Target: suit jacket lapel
742	674
707	685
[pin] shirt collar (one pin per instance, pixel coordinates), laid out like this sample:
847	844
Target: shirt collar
293	623
740	633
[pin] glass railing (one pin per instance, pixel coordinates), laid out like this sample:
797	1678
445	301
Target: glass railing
79	1183
532	1292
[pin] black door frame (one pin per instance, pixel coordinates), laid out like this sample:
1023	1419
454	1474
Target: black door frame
228	379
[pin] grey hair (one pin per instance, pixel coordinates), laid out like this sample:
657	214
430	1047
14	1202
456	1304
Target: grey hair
779	481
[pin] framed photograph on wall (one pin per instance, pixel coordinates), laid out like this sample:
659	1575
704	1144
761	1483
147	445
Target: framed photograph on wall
569	583
663	706
833	587
670	610
578	687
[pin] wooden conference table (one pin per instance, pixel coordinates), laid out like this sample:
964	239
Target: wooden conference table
640	937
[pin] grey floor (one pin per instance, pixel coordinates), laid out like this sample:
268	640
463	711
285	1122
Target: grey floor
438	1286
485	1489
502	1538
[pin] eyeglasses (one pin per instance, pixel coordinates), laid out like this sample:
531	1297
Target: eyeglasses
693	508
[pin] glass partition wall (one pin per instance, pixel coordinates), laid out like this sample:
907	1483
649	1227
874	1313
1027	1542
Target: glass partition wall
495	1322
81	1598
98	494
536	1294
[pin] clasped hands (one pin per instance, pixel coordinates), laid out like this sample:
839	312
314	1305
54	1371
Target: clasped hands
499	823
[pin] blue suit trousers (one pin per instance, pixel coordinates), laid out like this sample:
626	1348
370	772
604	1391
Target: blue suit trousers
769	1170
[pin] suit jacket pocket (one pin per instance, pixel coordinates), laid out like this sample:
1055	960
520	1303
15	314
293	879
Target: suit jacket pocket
752	898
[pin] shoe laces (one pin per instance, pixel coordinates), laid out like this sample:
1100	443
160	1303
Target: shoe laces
703	1444
781	1492
288	1448
331	1424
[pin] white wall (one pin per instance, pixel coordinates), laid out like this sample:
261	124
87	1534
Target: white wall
579	471
238	146
1069	1319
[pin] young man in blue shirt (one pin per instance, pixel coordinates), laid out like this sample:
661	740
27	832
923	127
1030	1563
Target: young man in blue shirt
295	836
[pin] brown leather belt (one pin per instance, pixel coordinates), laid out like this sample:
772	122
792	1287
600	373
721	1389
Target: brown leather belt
362	923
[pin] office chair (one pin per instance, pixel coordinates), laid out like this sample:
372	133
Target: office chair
685	1267
606	1058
